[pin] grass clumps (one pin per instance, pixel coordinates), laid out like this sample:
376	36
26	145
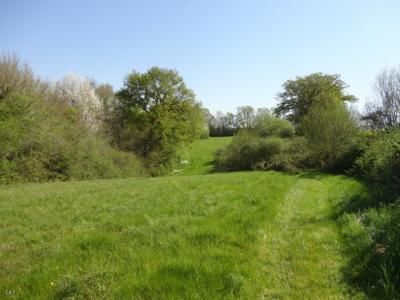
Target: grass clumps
242	235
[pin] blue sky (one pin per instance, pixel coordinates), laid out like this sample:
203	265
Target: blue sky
231	53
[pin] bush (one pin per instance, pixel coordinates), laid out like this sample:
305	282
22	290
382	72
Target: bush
372	240
359	144
380	164
372	235
40	143
44	138
330	131
248	151
293	155
267	125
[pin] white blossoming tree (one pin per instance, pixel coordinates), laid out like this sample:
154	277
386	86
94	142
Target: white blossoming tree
78	91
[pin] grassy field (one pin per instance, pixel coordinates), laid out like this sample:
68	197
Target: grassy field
248	235
200	156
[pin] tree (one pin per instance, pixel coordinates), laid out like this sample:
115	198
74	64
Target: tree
301	94
330	130
209	118
384	112
157	113
230	121
107	97
79	92
18	77
245	116
109	102
262	111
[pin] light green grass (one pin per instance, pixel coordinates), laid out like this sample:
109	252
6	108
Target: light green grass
246	235
238	235
200	156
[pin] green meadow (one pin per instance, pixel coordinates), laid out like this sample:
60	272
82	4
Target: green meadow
246	235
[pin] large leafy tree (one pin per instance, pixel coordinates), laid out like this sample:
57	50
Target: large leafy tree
157	113
299	95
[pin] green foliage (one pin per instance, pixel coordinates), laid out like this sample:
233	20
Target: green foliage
39	143
372	240
249	151
380	163
372	233
15	76
331	132
267	125
44	138
301	94
293	156
157	114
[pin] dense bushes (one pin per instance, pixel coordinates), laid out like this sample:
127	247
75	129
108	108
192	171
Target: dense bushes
76	129
372	233
43	137
266	125
40	142
372	240
269	146
248	152
380	163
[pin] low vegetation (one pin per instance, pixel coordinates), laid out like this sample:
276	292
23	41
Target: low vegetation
239	235
371	229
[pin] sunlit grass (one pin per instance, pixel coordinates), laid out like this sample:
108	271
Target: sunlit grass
247	235
198	158
238	235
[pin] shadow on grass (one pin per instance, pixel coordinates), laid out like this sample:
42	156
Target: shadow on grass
370	231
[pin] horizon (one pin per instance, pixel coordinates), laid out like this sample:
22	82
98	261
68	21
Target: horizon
230	54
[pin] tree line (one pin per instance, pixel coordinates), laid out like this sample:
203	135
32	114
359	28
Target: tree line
75	128
227	124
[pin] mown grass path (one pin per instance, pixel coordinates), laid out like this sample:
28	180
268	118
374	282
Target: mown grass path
301	249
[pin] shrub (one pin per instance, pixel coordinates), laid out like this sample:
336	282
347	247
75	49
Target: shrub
372	240
44	138
331	132
380	164
239	154
346	162
267	125
372	235
248	151
40	143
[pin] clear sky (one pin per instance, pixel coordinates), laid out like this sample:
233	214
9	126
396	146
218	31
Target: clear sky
231	53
